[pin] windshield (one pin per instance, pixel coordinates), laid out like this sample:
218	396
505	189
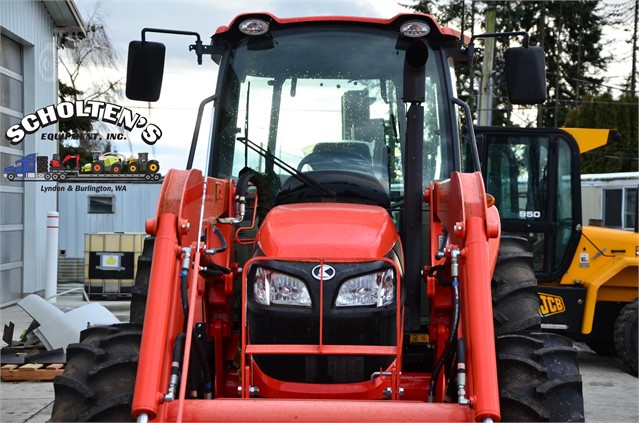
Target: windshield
325	101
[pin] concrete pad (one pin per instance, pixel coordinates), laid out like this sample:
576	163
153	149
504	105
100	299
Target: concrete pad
25	401
610	394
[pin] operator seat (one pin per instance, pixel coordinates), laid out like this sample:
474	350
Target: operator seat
345	168
352	156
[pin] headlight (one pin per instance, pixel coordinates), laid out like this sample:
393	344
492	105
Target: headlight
376	289
277	288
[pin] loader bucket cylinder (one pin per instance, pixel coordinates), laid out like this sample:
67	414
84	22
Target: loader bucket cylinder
525	69
415	72
145	67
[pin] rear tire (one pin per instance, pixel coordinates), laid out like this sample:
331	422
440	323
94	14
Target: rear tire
153	166
514	288
539	378
99	377
625	337
538	373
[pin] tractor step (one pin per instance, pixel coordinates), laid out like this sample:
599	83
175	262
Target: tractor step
31	371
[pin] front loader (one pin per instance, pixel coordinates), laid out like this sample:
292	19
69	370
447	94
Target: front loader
332	262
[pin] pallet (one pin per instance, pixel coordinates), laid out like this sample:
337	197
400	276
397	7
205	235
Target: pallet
31	371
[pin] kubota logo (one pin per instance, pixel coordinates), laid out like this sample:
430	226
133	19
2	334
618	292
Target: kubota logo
550	304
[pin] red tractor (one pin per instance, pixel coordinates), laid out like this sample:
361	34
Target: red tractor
339	258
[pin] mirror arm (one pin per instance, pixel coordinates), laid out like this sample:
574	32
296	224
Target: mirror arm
503	34
471	45
199	48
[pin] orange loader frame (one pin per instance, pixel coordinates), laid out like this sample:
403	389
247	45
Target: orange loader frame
459	205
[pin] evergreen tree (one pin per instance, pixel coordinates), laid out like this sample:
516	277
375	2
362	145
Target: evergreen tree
569	32
621	152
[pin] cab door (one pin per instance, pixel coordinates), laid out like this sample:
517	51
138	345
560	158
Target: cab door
534	175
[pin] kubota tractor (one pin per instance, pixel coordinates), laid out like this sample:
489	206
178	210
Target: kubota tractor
333	262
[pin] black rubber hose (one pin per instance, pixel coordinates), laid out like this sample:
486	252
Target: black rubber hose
451	338
183	294
204	364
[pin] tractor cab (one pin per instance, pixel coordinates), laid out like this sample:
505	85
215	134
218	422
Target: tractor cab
318	111
326	101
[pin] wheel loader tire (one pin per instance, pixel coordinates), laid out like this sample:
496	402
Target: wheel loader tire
99	376
539	378
514	288
140	289
625	336
116	168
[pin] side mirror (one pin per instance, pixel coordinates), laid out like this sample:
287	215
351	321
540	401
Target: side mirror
525	70
145	68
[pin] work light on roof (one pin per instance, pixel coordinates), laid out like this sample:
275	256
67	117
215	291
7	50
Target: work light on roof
414	29
254	27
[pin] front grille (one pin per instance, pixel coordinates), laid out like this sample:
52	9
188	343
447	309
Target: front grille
342	326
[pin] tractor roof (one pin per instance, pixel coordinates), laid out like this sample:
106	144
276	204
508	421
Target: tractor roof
436	32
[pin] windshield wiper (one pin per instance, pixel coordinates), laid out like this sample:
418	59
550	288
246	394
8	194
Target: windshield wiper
288	168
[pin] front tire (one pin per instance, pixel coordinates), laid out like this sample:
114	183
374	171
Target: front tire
98	167
625	336
99	377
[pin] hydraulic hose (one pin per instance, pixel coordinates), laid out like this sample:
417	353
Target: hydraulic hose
449	342
178	346
461	372
206	371
184	295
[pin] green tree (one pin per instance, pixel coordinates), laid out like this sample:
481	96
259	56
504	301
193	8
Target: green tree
569	32
621	152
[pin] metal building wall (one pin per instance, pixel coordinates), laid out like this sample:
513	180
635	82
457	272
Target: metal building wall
29	24
132	208
592	187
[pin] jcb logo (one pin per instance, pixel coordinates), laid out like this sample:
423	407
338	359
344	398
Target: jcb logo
550	304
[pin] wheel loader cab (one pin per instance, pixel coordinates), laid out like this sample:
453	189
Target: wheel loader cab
323	102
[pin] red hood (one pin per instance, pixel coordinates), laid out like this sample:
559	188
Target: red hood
327	231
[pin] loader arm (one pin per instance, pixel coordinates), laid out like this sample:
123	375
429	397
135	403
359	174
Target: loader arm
175	228
459	205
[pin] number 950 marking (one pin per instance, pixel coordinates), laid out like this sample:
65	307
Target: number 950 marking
525	214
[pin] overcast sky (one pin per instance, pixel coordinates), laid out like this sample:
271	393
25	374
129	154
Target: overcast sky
186	83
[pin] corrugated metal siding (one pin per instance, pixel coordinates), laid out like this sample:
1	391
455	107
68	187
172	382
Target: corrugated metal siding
132	208
29	23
